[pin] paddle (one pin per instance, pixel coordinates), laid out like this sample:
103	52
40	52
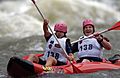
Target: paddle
116	26
74	68
48	26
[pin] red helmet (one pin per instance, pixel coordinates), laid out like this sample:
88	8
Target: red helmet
87	22
60	27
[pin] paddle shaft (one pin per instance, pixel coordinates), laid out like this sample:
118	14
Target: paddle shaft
89	36
50	28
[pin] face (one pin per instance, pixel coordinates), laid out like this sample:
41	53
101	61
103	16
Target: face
88	30
59	34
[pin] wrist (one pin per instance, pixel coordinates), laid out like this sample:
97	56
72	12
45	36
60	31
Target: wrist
100	40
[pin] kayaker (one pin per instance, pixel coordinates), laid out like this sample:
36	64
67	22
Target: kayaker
91	49
53	54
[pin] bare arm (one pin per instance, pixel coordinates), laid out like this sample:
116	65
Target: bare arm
45	28
106	44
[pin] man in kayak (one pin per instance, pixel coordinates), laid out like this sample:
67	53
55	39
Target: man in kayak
90	49
54	55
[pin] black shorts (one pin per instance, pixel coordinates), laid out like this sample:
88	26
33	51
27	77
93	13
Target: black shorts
59	63
96	59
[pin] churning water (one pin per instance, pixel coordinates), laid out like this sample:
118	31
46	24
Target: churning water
21	27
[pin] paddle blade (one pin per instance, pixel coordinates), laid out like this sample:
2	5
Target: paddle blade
76	69
115	27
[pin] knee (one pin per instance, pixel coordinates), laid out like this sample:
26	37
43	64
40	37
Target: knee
52	59
33	58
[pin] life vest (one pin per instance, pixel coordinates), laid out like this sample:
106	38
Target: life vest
89	48
54	49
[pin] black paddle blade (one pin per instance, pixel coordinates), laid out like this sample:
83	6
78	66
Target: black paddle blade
17	67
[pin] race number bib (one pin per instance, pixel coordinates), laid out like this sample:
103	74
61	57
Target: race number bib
56	55
86	47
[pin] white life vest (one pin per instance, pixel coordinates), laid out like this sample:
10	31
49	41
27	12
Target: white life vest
52	50
89	48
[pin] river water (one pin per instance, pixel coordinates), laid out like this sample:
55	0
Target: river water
21	27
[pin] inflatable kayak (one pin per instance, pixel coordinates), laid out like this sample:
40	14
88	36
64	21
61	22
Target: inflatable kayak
18	67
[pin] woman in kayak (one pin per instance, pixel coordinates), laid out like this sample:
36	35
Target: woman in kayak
54	55
90	49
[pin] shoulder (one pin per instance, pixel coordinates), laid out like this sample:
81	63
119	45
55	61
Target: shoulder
81	37
67	40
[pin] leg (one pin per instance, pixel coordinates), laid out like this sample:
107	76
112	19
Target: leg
85	60
33	58
50	61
